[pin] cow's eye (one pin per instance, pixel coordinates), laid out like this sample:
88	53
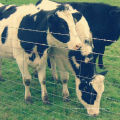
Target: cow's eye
87	42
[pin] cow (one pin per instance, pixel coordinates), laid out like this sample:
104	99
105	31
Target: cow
89	85
104	23
27	34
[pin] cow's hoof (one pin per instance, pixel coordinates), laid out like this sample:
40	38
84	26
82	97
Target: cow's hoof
1	79
45	100
101	66
28	100
66	99
58	82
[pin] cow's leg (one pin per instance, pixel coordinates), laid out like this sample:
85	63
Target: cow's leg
42	77
23	66
53	69
64	77
100	60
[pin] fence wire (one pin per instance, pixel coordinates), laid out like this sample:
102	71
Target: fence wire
39	109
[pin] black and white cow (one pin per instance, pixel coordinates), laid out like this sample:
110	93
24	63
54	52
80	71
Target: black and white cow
89	86
26	35
104	22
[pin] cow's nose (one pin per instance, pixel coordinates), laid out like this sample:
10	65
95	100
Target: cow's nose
78	46
94	115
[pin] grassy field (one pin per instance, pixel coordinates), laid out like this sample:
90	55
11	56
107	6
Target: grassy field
13	107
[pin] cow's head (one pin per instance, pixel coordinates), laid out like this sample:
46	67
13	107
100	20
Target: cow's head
83	31
85	35
62	28
90	93
89	87
81	25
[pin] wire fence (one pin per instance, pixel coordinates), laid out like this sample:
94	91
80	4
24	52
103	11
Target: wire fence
15	89
72	106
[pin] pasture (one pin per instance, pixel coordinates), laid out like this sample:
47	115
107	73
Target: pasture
13	107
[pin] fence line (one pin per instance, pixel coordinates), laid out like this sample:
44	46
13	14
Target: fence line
39	31
107	110
108	98
59	71
72	109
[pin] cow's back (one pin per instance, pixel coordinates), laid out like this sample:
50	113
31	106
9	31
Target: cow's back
99	16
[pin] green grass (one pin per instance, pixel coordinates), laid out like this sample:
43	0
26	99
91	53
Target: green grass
13	107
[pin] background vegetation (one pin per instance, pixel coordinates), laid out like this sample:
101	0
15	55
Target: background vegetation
13	107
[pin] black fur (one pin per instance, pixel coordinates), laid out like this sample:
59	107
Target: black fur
4	35
38	2
88	92
58	25
104	22
5	13
30	39
27	82
77	16
32	58
86	76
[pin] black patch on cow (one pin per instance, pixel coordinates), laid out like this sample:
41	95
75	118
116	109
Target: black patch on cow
4	35
59	28
32	58
48	62
90	56
77	16
30	31
38	2
27	82
85	73
5	13
64	81
33	37
88	92
86	76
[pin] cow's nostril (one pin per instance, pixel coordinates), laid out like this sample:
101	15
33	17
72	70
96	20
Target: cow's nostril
77	47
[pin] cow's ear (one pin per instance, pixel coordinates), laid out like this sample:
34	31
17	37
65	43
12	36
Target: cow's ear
115	12
77	16
103	73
